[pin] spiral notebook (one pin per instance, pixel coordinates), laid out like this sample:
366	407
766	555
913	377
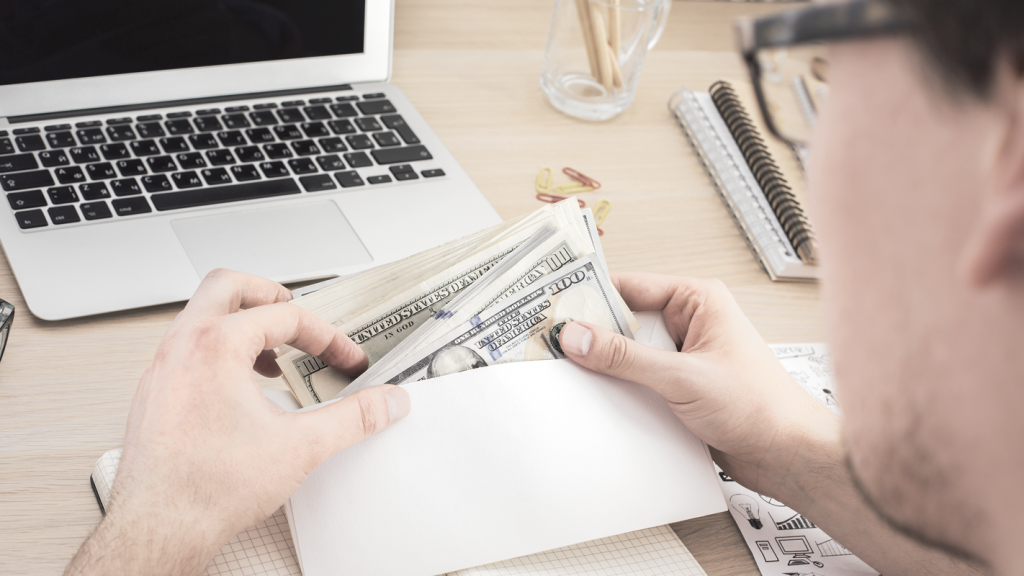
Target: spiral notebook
749	181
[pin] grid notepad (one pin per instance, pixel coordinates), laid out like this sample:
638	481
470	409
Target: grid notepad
267	549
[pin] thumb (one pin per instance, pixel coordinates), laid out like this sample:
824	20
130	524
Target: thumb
604	351
359	416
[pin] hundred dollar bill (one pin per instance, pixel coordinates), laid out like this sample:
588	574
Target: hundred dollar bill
524	327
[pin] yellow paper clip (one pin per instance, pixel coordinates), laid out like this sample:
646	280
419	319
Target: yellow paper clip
544	181
571	188
600	213
553	198
581	178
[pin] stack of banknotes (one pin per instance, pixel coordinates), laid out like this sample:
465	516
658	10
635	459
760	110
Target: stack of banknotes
499	295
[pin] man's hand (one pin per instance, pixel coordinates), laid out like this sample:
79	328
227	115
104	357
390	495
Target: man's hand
205	454
724	383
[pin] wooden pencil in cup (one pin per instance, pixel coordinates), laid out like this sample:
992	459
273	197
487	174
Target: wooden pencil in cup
604	57
615	30
583	11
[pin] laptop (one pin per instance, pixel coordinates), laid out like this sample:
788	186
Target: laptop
145	143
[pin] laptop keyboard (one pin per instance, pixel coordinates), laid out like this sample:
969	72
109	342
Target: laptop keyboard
96	170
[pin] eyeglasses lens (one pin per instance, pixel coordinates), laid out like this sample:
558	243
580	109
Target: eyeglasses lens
794	82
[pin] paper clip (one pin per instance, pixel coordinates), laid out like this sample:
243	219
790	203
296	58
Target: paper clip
600	213
553	198
571	188
581	178
544	181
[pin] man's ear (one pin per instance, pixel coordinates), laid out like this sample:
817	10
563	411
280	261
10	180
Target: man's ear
995	247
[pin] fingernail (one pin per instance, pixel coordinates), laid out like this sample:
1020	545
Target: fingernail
398	404
576	339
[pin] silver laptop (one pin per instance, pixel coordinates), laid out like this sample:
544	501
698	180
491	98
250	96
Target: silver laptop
145	143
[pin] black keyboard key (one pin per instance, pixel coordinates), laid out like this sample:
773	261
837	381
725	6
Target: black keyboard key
386	139
397	123
302	166
326	100
348	98
330	163
26	180
274	169
51	158
317	182
359	141
245	173
344	110
7	148
368	124
404	172
95	210
358	160
57	127
190	161
144	148
264	118
293	103
132	206
232	138
126	187
208	112
373	95
93	191
114	151
202	141
401	155
382	179
149	117
349	179
407	176
100	171
96	190
185	180
91	136
433	173
236	121
30	219
287	132
161	164
314	129
342	127
220	157
88	124
375	107
63	214
332	145
23	200
216	176
150	130
32	130
17	163
277	151
291	115
30	142
221	194
84	154
60	139
158	183
133	167
70	175
317	112
174	145
185	114
207	124
114	121
305	148
179	126
259	135
250	154
62	195
242	108
267	106
120	133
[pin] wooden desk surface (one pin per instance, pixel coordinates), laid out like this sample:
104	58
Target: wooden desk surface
472	68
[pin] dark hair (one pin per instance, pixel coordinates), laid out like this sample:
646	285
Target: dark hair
965	39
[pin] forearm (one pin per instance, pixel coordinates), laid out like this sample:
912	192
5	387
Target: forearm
825	493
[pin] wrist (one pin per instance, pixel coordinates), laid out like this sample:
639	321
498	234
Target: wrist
816	467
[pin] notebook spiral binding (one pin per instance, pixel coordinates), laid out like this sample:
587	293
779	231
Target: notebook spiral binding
766	172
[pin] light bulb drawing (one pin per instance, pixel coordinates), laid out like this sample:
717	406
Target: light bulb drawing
748	508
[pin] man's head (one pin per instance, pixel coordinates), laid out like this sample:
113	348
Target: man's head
917	183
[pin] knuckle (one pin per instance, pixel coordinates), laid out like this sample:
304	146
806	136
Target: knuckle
369	419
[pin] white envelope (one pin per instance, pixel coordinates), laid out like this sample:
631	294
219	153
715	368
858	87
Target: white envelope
501	462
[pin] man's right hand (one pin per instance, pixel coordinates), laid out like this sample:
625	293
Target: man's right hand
724	384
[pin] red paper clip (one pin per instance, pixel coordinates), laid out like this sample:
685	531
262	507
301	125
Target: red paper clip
553	198
581	177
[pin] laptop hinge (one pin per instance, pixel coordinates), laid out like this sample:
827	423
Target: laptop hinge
167	104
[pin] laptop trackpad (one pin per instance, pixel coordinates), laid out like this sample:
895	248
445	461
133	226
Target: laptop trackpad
280	242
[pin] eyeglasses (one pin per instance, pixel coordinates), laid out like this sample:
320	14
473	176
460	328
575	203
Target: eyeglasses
785	54
6	319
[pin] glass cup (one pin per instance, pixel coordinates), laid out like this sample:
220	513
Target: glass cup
596	50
